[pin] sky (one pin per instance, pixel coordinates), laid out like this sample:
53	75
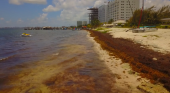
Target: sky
32	13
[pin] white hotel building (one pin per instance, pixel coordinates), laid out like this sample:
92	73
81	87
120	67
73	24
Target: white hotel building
118	10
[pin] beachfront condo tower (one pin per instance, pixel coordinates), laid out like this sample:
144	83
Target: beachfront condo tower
118	10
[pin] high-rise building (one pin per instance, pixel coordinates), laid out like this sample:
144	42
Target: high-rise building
102	13
79	23
93	14
84	23
120	9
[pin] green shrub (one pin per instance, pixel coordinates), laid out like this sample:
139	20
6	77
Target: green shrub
100	28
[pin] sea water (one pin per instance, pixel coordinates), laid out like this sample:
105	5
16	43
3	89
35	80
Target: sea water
51	61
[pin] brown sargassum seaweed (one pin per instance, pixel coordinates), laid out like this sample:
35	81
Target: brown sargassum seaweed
140	58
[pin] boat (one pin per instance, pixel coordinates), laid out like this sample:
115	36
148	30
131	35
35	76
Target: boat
144	28
138	30
26	35
150	28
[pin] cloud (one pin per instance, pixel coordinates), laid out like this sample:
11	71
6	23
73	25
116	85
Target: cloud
42	18
69	4
16	2
156	3
71	17
72	10
1	18
51	8
8	22
19	21
98	3
19	2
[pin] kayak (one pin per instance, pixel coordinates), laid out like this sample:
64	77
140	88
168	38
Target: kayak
26	35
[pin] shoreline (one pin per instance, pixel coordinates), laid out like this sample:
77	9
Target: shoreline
120	66
123	79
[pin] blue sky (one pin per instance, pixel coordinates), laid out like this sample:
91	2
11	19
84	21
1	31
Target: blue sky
21	13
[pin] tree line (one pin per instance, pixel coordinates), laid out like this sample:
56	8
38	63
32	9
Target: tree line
150	16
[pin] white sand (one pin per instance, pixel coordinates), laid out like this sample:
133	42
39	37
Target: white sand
124	79
157	40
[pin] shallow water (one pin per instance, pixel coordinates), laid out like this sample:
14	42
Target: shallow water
51	62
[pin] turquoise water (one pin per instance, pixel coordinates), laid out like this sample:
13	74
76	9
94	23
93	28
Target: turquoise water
51	61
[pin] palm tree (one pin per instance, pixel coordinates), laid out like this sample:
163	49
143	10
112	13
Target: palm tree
95	23
151	16
110	21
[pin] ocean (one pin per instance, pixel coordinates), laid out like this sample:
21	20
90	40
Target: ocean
51	61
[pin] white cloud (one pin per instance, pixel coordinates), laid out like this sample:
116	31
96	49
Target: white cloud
72	10
16	2
98	3
19	21
68	16
19	2
156	3
69	5
1	18
51	8
7	22
42	18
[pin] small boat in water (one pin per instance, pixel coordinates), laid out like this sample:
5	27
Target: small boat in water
26	35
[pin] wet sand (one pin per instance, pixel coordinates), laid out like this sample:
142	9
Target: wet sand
149	64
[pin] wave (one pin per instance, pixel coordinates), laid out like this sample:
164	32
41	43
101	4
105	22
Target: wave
11	51
56	54
6	58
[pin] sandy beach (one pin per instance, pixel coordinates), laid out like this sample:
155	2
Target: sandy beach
156	40
123	79
126	77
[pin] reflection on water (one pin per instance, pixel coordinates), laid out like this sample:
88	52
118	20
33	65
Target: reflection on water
73	68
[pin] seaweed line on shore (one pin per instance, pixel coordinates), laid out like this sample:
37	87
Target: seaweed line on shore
150	64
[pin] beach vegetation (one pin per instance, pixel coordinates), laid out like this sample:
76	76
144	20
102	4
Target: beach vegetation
95	23
152	36
151	16
155	35
100	28
89	26
104	31
110	21
144	36
163	26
